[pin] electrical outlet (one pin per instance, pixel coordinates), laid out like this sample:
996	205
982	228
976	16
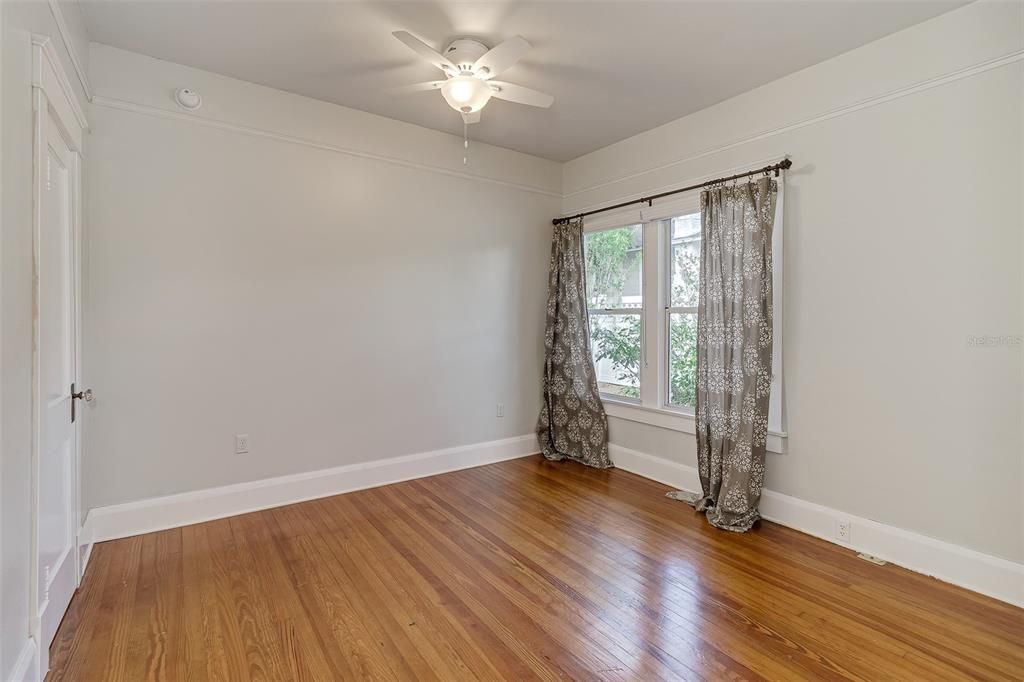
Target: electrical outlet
501	410
241	443
843	530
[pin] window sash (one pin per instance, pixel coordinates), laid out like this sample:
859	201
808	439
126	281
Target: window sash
618	312
665	389
666	396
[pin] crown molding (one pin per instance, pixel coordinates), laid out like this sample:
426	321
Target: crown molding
47	50
148	110
904	91
69	45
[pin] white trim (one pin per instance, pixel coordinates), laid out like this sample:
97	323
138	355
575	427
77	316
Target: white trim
172	511
968	568
675	420
48	75
85	545
147	110
69	45
26	665
911	89
53	99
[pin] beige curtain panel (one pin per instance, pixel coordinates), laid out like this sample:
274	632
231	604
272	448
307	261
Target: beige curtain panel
734	351
572	422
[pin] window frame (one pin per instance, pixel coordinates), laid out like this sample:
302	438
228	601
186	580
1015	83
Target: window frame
653	406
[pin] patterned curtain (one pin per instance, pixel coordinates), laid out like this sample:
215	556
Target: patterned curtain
734	351
572	423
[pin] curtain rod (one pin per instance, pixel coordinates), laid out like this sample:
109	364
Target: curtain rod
776	167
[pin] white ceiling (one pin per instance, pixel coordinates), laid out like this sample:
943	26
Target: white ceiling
615	68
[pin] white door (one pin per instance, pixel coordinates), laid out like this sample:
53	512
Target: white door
56	464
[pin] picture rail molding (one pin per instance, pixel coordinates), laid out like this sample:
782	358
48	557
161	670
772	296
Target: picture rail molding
903	91
149	110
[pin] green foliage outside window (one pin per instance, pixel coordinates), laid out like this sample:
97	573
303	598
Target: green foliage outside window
607	266
618	342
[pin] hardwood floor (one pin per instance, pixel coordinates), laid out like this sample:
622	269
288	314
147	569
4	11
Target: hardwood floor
520	570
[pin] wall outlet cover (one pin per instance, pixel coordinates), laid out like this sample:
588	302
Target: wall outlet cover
843	530
241	443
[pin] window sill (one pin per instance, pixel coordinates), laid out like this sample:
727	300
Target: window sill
674	420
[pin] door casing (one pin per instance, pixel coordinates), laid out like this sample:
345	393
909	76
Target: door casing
53	99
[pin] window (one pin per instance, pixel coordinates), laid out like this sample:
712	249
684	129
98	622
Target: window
615	300
643	318
681	312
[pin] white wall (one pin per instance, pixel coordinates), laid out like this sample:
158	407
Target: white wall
19	21
334	284
903	233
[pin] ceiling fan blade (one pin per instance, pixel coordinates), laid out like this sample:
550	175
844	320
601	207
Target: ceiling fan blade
521	95
424	50
501	57
473	117
416	87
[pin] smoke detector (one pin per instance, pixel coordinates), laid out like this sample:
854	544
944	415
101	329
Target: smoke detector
188	98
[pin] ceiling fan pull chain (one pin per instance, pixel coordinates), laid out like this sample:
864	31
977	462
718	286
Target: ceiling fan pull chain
465	141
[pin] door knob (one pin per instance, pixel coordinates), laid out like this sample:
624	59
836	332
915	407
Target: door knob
85	395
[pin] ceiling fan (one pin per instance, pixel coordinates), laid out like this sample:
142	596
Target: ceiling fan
469	66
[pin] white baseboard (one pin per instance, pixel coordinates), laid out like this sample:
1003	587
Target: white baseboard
85	545
983	573
183	509
26	667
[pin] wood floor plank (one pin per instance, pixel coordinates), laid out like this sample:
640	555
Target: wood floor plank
299	638
619	594
674	594
70	653
490	612
584	600
512	581
883	628
114	615
525	569
436	607
388	597
328	603
638	565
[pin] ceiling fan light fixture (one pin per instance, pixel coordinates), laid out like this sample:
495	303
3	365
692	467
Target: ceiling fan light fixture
468	65
466	94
